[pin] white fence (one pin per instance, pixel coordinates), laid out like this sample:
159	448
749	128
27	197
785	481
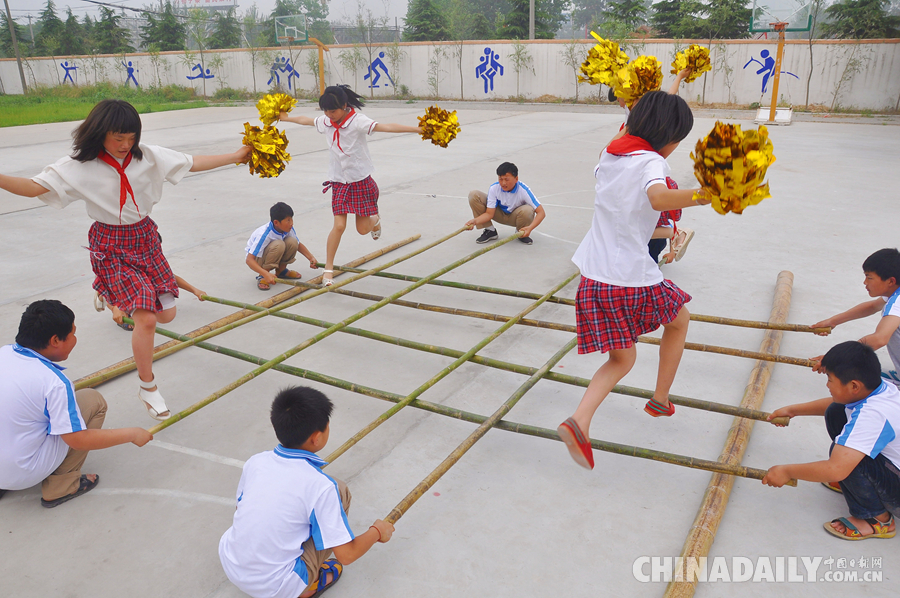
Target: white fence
862	74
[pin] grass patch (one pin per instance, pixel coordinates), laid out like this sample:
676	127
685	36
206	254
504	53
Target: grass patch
69	103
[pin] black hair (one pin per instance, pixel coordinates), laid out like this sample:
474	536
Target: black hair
660	118
108	116
852	360
297	412
885	263
42	321
280	211
338	96
611	96
507	168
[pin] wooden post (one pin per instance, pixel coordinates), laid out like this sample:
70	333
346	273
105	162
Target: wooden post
703	531
779	27
322	49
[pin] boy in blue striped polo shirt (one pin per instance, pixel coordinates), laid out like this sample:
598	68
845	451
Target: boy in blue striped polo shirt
508	202
862	416
273	246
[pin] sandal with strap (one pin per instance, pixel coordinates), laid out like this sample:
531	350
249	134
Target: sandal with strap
835	486
289	274
261	284
578	444
330	566
657	409
153	401
84	485
679	246
326	278
879	529
376	228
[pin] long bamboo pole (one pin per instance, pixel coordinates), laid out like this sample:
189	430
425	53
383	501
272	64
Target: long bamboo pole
600	445
126	365
715	500
571	302
803	362
284	305
454	457
325	333
521	369
446	371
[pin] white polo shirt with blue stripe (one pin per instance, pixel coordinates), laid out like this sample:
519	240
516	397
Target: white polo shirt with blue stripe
508	201
37	405
264	235
892	308
872	424
283	499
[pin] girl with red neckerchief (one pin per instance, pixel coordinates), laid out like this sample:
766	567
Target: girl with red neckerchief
120	179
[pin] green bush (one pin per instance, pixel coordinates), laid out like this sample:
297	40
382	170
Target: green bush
231	94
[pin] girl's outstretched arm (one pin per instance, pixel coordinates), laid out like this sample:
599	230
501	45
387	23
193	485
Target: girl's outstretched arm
18	185
392	128
201	163
662	198
299	119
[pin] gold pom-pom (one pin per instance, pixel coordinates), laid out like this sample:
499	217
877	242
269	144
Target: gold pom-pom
603	60
269	156
694	57
439	126
641	75
273	104
731	166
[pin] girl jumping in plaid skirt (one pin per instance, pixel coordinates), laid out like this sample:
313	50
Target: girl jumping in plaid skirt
622	292
120	180
353	191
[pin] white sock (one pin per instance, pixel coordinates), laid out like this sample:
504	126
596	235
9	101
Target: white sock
491	228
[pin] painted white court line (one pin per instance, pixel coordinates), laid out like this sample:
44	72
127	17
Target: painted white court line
198	453
557	238
189	496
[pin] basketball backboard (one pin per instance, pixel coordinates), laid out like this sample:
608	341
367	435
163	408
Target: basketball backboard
291	29
794	13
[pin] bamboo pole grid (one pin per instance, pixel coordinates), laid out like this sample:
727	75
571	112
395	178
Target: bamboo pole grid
726	467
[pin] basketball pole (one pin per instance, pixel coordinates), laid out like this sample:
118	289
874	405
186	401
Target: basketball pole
322	49
779	27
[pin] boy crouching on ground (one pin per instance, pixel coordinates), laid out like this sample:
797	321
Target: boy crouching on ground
290	515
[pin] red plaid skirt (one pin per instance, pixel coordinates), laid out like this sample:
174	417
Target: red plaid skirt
360	197
130	268
610	317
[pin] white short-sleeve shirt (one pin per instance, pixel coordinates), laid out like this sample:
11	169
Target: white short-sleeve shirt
37	405
350	158
507	201
97	184
614	251
872	424
264	235
892	308
283	499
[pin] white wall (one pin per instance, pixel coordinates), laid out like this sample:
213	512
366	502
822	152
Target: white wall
862	74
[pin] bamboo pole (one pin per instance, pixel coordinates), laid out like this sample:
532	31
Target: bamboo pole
521	369
715	500
446	371
600	445
571	302
803	362
454	457
281	306
325	333
104	374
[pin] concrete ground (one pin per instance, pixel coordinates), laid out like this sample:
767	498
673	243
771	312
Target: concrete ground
515	516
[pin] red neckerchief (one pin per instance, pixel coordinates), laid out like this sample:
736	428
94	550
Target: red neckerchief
125	186
336	139
628	144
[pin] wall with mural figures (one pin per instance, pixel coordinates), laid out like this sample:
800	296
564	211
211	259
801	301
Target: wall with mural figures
860	74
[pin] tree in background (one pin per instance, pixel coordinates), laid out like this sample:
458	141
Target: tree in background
166	31
726	19
481	28
226	31
492	10
677	18
426	21
629	14
51	31
109	35
90	40
587	12
861	19
73	40
515	24
199	34
6	46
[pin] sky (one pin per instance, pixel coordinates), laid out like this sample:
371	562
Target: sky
338	9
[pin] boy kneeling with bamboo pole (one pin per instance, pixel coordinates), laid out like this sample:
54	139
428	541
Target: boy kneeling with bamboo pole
861	416
290	516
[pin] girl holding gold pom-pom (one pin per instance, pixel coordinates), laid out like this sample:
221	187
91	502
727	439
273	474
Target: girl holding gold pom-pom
353	191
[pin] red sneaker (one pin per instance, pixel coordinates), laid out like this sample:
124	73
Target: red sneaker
578	444
657	409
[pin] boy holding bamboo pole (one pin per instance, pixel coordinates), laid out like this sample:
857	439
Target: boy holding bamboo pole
861	416
290	516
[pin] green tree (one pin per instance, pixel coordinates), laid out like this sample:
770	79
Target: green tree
492	10
630	13
586	12
481	28
861	19
426	22
166	31
72	43
109	35
6	45
87	28
226	31
726	19
677	18
515	24
51	32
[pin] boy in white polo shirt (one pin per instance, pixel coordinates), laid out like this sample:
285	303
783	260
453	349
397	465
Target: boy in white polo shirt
862	416
508	202
46	427
290	515
273	246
